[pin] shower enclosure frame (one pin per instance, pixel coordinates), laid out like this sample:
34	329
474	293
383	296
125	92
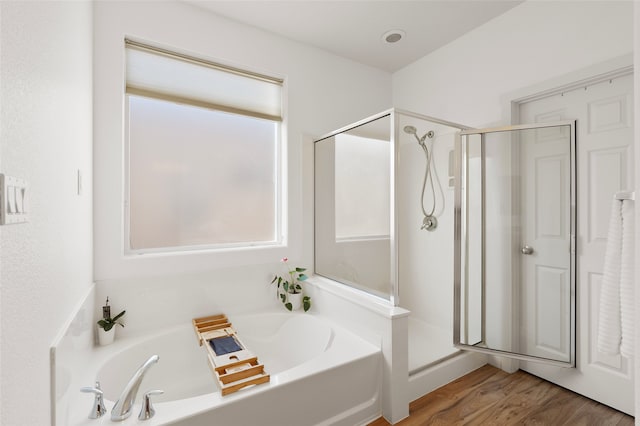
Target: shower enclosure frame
458	243
393	113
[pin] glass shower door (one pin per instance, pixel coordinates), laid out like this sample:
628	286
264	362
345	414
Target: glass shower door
514	292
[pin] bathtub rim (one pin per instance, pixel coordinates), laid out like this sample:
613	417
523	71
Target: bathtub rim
336	355
111	352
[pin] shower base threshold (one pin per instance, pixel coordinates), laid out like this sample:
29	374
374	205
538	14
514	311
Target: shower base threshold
428	345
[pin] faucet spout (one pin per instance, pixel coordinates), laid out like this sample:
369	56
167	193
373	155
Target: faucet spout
127	398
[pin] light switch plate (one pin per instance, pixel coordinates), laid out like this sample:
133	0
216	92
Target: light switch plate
13	199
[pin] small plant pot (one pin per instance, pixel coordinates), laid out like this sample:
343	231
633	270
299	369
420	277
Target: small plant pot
296	300
106	337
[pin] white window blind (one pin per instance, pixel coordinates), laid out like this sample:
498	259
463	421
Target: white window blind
157	73
203	154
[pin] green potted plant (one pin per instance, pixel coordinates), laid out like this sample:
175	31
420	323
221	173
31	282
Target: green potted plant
289	289
106	326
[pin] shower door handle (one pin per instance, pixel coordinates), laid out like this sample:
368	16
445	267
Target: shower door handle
526	250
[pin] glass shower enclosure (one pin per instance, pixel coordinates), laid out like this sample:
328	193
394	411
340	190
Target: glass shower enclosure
384	209
473	231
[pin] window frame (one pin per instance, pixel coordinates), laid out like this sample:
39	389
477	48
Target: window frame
280	186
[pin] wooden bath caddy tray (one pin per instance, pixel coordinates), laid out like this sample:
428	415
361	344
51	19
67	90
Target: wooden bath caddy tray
233	366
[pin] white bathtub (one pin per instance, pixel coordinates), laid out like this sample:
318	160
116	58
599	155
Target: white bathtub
321	374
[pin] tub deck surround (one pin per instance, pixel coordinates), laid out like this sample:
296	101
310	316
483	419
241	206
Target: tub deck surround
344	363
69	354
381	323
306	355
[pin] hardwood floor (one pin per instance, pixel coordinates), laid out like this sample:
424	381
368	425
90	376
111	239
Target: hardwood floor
489	396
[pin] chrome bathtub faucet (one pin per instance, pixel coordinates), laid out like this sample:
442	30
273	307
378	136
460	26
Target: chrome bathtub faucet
147	411
124	404
99	409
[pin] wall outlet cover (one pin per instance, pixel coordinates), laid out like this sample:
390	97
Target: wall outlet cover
13	199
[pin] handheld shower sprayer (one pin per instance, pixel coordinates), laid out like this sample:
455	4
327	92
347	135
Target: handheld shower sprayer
413	131
429	221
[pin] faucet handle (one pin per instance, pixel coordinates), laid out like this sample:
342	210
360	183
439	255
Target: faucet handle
99	409
147	411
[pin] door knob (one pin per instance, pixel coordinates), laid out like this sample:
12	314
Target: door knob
526	250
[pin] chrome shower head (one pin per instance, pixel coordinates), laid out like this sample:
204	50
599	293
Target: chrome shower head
411	130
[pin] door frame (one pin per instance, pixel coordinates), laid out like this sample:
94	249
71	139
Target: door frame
588	76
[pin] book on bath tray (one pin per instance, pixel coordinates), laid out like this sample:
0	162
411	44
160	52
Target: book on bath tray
224	345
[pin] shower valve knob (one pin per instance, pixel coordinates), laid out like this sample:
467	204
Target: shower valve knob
429	223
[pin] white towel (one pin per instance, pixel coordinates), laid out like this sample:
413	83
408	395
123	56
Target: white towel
615	328
609	330
627	293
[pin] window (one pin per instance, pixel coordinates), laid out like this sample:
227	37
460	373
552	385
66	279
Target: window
361	187
203	154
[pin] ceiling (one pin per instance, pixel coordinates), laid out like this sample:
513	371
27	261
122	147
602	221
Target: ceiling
354	29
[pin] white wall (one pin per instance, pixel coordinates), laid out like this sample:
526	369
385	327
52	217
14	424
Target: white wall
464	81
45	122
417	251
468	80
636	123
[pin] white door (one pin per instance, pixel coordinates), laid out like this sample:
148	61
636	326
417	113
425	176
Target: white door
604	114
545	241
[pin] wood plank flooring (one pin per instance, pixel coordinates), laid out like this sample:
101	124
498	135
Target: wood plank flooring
489	396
